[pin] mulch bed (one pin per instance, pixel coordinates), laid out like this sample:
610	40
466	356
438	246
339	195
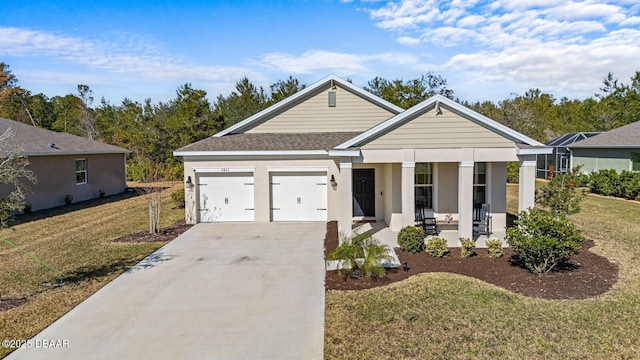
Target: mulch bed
586	276
6	304
166	234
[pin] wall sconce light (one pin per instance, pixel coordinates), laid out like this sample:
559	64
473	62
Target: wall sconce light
333	182
189	183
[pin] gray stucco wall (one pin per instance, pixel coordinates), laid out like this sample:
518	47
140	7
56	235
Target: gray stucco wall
56	177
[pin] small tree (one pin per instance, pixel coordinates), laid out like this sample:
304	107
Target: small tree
542	239
560	194
152	186
14	173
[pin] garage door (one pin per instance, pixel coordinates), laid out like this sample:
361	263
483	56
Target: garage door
299	197
225	197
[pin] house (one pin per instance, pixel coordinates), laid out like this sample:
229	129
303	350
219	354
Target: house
336	152
65	164
561	156
617	149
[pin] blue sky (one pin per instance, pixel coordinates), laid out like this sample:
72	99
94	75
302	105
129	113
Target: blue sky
487	50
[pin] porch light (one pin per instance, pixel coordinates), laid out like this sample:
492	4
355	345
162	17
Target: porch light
189	183
333	182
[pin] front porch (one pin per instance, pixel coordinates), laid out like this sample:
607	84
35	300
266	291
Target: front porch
391	192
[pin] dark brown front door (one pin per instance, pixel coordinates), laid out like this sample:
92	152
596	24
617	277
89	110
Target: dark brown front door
364	195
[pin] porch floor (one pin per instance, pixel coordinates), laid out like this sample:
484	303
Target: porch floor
380	230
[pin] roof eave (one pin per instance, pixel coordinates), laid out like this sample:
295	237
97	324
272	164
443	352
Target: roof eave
252	153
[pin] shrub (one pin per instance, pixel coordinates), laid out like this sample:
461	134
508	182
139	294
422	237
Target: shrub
543	239
26	209
411	239
494	249
360	256
178	198
68	199
437	247
467	247
513	172
560	195
101	193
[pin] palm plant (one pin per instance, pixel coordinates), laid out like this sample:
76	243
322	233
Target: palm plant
359	256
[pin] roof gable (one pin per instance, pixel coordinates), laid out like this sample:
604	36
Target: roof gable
286	118
34	141
438	104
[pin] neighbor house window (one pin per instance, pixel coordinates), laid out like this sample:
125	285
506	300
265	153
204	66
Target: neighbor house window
479	184
81	171
635	161
424	186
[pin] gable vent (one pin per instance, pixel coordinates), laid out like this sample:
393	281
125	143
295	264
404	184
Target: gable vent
332	99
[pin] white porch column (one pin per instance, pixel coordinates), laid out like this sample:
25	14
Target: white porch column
465	199
527	182
345	186
408	193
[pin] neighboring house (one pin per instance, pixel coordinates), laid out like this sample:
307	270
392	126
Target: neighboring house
65	164
617	149
336	152
561	156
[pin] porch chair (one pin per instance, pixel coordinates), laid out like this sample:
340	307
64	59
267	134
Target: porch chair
482	220
428	223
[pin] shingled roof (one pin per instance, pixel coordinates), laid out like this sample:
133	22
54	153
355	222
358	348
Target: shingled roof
271	142
34	141
627	136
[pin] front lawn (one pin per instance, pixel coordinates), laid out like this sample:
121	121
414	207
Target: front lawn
449	316
77	241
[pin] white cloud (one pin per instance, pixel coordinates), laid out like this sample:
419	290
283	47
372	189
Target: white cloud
559	45
135	57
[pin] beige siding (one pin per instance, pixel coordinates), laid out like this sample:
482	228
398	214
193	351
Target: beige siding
351	113
448	130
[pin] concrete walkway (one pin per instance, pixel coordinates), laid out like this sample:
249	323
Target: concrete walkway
219	291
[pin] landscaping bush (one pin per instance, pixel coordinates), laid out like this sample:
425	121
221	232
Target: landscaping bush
560	195
178	198
467	247
101	193
68	199
26	209
411	239
360	256
437	247
494	249
543	239
608	182
513	172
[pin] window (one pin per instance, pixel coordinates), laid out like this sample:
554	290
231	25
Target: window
424	186
81	171
635	161
479	184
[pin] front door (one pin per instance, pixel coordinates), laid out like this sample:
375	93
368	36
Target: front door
364	196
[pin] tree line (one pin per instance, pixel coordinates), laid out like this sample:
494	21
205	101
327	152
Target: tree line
153	130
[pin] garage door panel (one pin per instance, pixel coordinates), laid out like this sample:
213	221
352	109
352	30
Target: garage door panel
299	197
226	197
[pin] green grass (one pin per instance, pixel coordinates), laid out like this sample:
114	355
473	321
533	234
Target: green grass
448	316
77	243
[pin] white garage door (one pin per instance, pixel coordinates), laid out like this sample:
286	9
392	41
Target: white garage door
225	197
299	197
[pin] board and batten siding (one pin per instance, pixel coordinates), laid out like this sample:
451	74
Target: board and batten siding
351	113
431	131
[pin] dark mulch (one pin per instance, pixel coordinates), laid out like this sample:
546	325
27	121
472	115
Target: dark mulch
166	234
6	304
586	276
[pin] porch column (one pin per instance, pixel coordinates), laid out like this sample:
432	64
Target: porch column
527	182
346	198
408	193
465	199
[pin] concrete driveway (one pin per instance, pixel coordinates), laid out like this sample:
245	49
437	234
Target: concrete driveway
219	291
